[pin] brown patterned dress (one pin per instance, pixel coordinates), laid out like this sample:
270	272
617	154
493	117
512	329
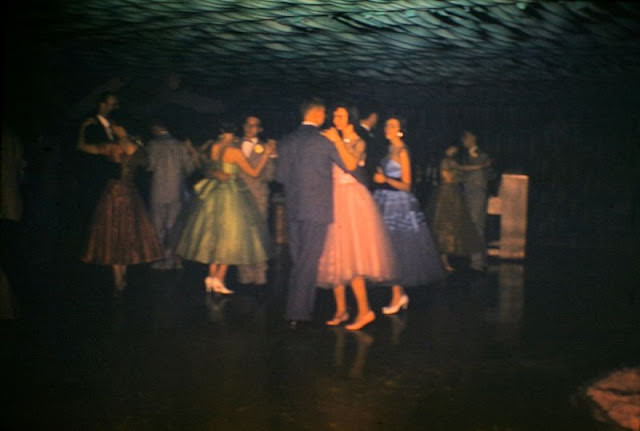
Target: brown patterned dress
452	225
121	232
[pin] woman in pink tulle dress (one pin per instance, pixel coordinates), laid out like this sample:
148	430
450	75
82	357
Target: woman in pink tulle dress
357	247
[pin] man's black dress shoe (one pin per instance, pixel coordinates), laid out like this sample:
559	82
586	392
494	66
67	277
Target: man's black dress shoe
297	324
479	270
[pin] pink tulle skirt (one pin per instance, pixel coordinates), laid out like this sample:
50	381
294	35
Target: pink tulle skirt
357	242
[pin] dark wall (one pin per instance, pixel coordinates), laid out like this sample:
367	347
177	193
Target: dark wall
578	141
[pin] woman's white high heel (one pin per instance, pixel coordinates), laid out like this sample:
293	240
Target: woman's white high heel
219	287
208	284
213	284
402	304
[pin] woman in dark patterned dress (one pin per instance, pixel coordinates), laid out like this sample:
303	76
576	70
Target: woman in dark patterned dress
452	225
121	232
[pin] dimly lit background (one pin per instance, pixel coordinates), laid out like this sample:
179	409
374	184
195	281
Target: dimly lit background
550	88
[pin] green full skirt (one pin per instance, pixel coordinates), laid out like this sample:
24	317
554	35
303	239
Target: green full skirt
224	225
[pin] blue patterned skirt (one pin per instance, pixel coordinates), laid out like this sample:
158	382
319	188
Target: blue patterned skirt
418	257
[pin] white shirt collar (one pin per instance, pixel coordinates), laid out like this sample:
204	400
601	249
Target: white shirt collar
107	126
309	123
247	145
365	127
103	120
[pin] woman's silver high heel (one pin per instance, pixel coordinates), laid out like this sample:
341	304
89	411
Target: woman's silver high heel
402	304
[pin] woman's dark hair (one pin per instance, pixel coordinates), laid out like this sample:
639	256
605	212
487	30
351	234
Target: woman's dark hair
354	118
401	120
158	122
227	127
451	145
104	96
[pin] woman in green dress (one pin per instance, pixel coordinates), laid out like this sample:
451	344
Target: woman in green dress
224	226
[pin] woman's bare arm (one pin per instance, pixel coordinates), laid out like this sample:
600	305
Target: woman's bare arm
405	165
234	155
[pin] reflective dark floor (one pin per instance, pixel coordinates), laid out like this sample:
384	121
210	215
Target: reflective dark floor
509	350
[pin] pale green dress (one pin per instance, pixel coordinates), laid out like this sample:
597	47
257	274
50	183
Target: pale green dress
224	225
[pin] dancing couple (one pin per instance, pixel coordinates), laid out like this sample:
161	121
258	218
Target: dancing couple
337	234
225	226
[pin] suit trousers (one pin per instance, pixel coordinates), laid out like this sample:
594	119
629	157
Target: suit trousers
256	273
306	243
253	274
163	216
477	202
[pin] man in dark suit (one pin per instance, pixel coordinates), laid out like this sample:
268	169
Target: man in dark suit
98	131
475	191
304	168
94	170
364	129
368	121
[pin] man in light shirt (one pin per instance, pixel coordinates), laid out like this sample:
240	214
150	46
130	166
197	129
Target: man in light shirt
171	161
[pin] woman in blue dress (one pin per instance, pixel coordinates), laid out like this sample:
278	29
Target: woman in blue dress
418	259
224	226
